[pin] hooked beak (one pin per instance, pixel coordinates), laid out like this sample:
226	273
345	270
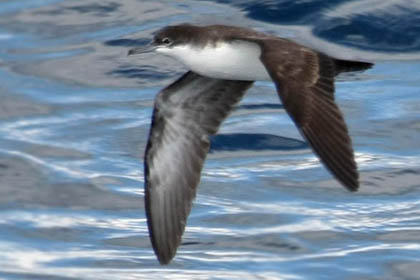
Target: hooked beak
139	50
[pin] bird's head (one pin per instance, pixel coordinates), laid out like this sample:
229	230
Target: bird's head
171	38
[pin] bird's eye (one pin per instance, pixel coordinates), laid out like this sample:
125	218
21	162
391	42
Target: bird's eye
166	41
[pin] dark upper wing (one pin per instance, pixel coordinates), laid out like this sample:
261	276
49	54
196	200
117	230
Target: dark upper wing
185	114
305	83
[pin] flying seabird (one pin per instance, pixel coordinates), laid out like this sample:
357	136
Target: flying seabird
224	61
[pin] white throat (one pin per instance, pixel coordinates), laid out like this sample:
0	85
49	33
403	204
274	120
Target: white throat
237	60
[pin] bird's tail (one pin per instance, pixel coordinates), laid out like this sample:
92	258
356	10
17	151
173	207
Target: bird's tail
350	66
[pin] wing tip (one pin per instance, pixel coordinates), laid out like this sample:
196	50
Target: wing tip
342	65
164	252
164	260
351	186
348	178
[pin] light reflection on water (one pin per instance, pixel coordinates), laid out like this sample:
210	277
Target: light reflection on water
75	115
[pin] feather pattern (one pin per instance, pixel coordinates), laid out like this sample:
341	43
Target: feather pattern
186	113
305	84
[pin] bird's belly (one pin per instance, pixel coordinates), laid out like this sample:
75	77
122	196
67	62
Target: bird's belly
238	60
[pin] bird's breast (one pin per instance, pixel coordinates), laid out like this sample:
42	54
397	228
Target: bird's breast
237	60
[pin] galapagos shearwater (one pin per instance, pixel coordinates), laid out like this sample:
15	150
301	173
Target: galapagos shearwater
224	61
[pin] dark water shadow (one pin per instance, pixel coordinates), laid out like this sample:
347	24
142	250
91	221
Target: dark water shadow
254	142
283	11
266	242
141	73
127	42
383	31
95	9
261	106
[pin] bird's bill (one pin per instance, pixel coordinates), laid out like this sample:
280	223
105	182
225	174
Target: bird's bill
140	50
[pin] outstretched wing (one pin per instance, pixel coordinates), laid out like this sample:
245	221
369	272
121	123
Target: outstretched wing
186	113
305	83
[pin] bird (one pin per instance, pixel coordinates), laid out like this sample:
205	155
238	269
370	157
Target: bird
223	62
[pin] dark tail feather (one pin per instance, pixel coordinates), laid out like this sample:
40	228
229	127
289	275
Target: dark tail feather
349	66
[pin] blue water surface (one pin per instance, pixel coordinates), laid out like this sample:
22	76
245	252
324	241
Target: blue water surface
74	119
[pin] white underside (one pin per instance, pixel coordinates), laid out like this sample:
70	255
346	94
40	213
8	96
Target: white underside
239	60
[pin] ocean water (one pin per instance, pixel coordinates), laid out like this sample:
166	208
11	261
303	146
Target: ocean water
74	119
